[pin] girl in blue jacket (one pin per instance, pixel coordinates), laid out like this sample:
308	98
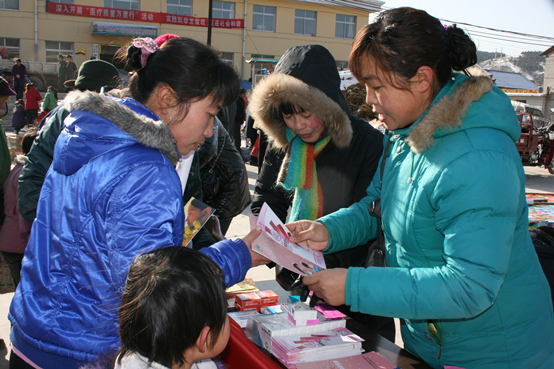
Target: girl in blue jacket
115	190
462	271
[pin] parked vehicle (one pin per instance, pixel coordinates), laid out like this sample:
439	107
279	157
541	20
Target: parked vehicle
538	116
536	144
42	74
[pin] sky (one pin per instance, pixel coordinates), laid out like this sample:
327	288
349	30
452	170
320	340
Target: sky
534	17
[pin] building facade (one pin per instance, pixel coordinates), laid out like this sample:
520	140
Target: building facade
40	30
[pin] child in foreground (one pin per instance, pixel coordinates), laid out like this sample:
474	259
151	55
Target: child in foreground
173	313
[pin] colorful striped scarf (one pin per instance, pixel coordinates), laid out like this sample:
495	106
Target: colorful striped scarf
299	172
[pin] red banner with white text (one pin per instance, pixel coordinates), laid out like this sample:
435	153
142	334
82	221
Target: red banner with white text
140	16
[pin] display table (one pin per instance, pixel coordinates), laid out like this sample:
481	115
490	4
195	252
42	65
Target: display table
374	342
242	353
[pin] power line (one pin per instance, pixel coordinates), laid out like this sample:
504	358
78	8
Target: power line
507	40
503	31
500	34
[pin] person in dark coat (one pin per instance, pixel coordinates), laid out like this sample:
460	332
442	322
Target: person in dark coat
18	116
61	72
239	118
70	69
19	72
256	137
304	114
224	177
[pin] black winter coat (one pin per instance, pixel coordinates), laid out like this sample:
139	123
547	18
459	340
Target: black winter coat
224	175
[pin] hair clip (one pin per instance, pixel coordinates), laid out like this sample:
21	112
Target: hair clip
148	47
445	28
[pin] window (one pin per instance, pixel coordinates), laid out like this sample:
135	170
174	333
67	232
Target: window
342	64
345	26
227	57
61	1
122	4
263	18
304	22
13	47
9	4
179	7
223	10
55	48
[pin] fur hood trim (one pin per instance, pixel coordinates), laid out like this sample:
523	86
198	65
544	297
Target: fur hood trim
146	131
447	113
278	88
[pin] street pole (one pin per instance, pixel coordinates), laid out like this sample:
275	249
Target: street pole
210	7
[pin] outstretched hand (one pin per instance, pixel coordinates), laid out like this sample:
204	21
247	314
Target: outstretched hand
257	259
315	235
328	285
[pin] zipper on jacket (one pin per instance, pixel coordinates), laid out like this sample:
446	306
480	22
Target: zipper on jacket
436	333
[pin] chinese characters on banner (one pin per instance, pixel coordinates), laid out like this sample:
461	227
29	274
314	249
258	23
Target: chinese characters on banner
98	12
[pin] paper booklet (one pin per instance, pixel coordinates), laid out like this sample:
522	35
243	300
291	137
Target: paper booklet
330	344
371	360
274	243
196	215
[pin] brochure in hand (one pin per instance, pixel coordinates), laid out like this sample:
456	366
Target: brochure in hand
274	243
196	215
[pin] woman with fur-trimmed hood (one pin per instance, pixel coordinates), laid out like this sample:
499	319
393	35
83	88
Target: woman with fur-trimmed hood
321	158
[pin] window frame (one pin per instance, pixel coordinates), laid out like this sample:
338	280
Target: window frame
345	22
11	48
303	19
264	14
230	11
13	10
68	2
59	50
122	1
167	5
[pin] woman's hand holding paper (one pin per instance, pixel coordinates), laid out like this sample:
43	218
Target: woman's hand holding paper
312	234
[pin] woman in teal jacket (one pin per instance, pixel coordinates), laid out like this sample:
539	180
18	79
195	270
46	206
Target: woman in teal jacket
462	272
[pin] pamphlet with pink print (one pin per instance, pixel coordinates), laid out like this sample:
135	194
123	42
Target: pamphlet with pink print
274	243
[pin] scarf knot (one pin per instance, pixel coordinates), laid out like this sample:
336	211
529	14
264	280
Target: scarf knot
298	171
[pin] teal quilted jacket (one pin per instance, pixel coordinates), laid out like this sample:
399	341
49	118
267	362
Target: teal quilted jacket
458	248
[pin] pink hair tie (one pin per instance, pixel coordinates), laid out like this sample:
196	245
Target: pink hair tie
148	47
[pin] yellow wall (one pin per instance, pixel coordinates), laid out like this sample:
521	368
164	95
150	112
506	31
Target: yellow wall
78	29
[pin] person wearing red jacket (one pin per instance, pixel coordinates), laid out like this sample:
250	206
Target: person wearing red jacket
32	97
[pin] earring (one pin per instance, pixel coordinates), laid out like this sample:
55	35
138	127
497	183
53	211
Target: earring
170	117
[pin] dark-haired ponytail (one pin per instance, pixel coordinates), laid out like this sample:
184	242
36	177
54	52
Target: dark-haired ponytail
462	52
132	57
401	40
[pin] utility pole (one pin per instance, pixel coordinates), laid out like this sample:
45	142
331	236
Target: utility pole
210	7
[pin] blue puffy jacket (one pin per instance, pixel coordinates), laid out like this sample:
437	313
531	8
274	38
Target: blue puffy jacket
458	248
111	193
